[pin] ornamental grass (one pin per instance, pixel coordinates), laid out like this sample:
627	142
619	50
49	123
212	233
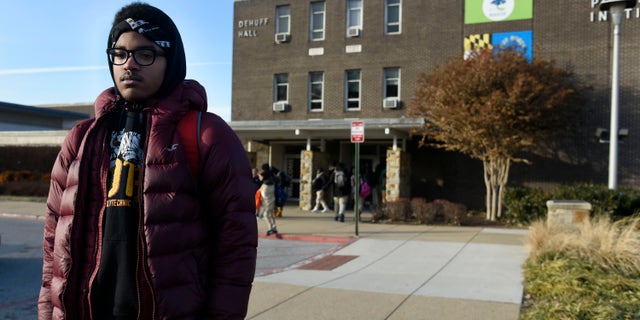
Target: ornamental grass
589	270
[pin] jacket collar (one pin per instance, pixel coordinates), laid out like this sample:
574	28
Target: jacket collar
188	95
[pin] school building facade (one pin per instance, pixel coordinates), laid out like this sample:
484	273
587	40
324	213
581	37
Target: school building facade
304	71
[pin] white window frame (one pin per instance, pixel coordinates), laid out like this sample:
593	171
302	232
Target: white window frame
313	82
315	14
283	13
354	6
347	82
387	78
387	12
277	84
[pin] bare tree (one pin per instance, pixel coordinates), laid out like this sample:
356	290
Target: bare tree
494	106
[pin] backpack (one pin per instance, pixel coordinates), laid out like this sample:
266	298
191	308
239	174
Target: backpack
285	179
338	179
281	196
365	189
258	197
191	140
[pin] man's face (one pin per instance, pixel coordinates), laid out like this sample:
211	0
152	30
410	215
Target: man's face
135	82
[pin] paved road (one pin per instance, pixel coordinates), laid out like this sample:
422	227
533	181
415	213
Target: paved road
20	268
275	255
21	263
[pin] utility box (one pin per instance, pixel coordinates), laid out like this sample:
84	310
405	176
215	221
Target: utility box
568	211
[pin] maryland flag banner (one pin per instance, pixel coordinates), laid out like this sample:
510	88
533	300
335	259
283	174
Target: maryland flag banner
519	40
476	42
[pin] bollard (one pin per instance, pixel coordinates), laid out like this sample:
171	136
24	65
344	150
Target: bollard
567	211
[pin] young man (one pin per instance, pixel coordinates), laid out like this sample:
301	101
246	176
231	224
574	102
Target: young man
132	232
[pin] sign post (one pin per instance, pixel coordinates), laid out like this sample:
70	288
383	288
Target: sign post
357	137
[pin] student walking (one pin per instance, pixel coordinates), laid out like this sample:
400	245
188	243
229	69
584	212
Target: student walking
281	181
268	201
339	179
318	185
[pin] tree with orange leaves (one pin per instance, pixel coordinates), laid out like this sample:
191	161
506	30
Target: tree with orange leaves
494	106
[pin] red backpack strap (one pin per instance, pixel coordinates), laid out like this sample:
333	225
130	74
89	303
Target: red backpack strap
189	131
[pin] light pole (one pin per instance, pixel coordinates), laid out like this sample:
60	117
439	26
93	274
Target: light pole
616	11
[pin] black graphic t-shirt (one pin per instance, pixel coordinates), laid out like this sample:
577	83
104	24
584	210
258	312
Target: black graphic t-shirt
114	292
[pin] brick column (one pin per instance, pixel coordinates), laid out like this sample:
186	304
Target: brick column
306	175
398	175
253	159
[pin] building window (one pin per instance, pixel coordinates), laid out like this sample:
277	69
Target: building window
283	19
316	86
354	18
281	87
393	15
352	90
316	27
392	83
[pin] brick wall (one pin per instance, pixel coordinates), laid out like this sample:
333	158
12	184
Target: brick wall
567	32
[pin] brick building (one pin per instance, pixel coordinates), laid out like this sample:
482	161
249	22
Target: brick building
304	70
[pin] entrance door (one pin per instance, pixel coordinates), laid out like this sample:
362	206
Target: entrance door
368	164
292	168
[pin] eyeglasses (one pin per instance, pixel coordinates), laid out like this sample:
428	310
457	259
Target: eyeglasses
143	57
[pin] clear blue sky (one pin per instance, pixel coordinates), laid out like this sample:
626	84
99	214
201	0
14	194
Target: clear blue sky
52	52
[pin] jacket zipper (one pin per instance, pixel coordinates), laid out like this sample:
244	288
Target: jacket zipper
142	262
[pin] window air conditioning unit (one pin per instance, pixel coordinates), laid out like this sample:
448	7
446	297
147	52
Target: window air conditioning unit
353	32
282	37
280	106
391	103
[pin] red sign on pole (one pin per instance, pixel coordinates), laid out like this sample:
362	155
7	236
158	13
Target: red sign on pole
357	131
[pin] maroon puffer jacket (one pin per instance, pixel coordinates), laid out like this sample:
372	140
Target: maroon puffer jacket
199	233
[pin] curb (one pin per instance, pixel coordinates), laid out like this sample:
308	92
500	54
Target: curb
22	216
309	238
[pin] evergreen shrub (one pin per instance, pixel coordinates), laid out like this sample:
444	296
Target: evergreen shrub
524	205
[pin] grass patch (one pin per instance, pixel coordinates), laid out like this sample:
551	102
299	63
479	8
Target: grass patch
583	271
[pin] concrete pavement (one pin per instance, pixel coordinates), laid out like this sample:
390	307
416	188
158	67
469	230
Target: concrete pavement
390	271
394	271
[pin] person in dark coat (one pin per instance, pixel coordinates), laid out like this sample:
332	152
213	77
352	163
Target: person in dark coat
340	181
318	185
256	178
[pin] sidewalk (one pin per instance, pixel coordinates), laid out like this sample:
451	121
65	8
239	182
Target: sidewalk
394	272
387	272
